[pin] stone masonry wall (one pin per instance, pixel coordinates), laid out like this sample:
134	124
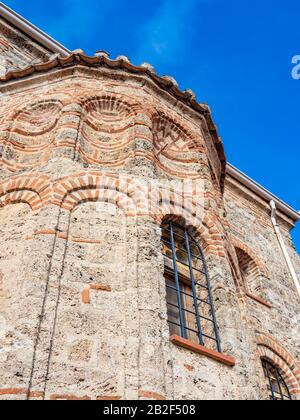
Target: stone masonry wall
82	293
251	228
17	50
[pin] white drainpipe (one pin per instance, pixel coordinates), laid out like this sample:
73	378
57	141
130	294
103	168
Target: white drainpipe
283	247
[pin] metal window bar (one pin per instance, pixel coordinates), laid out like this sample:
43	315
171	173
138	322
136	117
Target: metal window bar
182	249
181	315
170	242
212	302
200	334
187	265
268	367
270	380
279	385
194	331
187	294
197	283
191	312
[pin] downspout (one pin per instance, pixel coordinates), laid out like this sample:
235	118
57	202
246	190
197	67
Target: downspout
283	246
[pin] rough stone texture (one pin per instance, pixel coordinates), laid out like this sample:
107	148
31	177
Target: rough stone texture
250	225
82	294
17	50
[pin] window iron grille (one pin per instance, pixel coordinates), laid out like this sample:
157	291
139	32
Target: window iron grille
191	312
277	386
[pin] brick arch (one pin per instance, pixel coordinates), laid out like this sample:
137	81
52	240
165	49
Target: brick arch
106	128
31	130
250	272
26	105
184	220
172	204
177	128
132	102
20	106
176	213
33	190
276	353
187	221
234	267
175	145
111	101
20	115
32	105
71	191
204	230
252	255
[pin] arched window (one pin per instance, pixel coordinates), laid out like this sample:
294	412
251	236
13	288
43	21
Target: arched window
250	272
191	312
277	386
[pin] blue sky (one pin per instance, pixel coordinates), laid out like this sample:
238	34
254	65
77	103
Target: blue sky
236	55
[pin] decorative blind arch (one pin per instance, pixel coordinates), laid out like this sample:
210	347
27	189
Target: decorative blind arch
250	272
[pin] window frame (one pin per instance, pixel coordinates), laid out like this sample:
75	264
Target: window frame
267	366
178	279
